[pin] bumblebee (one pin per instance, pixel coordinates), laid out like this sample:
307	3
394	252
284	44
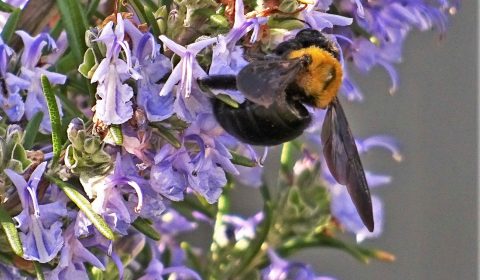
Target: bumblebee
303	71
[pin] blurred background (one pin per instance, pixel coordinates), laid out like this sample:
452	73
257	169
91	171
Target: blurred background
431	205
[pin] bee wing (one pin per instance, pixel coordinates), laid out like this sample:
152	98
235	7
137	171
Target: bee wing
343	161
262	81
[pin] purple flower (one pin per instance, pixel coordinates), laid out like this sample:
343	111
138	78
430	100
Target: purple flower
344	211
152	66
350	88
207	128
72	259
34	47
251	176
237	230
390	21
114	105
280	269
242	25
10	272
35	101
156	269
366	55
380	141
167	176
201	167
61	47
115	196
189	108
315	15
172	173
30	75
152	206
211	161
342	206
41	230
156	107
137	142
227	57
13	106
171	224
10	100
187	69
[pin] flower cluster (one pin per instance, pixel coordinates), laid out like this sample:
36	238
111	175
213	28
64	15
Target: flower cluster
142	160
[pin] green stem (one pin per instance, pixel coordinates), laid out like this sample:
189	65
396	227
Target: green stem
362	254
194	260
247	263
38	271
287	158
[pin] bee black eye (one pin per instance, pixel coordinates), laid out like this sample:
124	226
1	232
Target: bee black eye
306	60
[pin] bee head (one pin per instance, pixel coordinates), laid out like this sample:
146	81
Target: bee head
307	38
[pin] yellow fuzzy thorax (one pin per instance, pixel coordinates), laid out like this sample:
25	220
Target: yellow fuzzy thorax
323	77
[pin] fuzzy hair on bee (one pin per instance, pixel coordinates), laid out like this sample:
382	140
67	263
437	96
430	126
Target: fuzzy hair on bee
303	71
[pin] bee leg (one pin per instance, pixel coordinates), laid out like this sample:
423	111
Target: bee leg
226	82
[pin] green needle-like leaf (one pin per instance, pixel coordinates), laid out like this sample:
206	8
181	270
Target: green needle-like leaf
139	9
84	205
152	22
261	234
11	232
145	226
242	160
92	7
167	135
5	7
219	20
11	25
75	22
54	118
116	133
31	130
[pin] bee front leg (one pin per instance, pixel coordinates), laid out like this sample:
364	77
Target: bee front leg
226	82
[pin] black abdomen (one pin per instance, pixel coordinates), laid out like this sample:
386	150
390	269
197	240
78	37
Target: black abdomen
256	125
